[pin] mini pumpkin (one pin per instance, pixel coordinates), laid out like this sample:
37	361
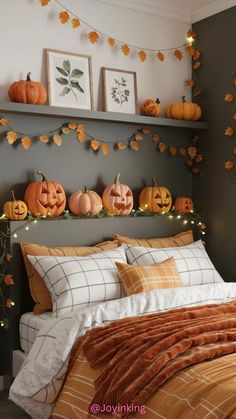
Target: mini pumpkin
45	198
27	91
151	107
183	205
118	198
15	210
188	111
155	198
85	202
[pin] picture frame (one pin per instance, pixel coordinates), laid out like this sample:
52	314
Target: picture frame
69	79
120	90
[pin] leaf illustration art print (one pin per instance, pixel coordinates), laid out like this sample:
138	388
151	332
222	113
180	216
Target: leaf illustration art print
70	79
119	91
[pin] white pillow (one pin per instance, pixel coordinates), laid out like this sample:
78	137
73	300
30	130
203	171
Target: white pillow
76	282
193	262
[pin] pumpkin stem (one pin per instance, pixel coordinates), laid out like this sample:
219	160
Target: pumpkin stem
183	99
85	189
28	77
41	174
158	101
154	181
13	196
117	179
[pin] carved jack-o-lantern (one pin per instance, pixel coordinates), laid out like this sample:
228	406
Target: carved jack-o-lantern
46	198
118	198
15	210
183	205
155	198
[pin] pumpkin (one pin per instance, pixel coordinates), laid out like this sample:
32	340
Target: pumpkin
118	198
27	91
183	205
15	210
155	198
45	198
85	202
151	107
188	111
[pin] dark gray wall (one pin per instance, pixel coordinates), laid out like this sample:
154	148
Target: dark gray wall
215	192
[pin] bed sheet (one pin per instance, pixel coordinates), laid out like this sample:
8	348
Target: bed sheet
29	326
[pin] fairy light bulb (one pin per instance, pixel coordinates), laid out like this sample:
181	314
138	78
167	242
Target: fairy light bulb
170	217
27	228
15	236
185	222
178	217
190	40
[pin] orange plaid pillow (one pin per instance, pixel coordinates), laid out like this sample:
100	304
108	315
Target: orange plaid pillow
149	277
181	239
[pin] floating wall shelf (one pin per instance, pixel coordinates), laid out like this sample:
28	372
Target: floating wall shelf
58	112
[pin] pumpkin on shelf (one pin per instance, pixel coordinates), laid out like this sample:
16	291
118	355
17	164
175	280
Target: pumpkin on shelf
28	91
85	202
118	198
15	210
151	107
155	198
184	205
45	198
188	111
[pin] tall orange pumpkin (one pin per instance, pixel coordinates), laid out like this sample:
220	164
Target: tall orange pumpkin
188	111
27	91
45	198
118	198
155	198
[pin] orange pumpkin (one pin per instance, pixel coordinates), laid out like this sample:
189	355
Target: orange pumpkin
155	198
27	91
118	198
46	198
85	202
151	107
15	210
183	205
188	111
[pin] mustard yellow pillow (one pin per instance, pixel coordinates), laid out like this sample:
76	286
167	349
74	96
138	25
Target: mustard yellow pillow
149	277
38	289
181	239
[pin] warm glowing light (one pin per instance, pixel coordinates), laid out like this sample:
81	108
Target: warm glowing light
192	222
199	224
203	233
185	222
170	217
35	221
3	216
192	211
2	324
190	40
27	228
178	216
15	235
163	212
12	303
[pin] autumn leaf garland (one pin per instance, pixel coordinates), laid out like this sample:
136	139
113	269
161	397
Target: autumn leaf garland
230	131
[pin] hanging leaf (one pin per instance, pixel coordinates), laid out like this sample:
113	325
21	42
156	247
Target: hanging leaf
192	152
93	37
125	49
234	81
44	2
64	17
8	279
195	170
8	257
138	137
162	147
72	125
229	97
9	303
65	130
121	146
234	150
80	128
189	163
190	83
229	165
4	122
75	22
195	138
94	144
44	138
182	151
134	145
196	54
197	92
234	116
178	54
111	42
229	131
191	33
156	138
199	158
105	149
81	136
142	55
190	50
57	139
173	150
11	137
160	56
145	131
196	65
26	142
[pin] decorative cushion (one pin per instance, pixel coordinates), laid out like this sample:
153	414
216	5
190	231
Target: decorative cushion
149	277
193	262
38	289
76	282
181	239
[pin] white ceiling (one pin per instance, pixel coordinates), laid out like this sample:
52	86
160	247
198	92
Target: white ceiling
189	5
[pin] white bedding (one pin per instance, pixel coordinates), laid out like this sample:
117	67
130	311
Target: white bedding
38	383
29	326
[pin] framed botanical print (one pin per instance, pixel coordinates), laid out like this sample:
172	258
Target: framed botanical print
69	79
120	90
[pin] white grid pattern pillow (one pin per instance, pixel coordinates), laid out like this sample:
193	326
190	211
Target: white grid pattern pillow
193	262
76	282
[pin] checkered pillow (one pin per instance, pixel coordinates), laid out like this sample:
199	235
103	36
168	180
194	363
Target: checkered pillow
193	263
79	281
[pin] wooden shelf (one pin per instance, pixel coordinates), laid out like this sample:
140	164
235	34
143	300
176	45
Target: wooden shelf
115	117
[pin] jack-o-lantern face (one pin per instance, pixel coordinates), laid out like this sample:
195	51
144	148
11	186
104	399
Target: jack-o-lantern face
118	198
155	198
45	198
183	205
15	210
